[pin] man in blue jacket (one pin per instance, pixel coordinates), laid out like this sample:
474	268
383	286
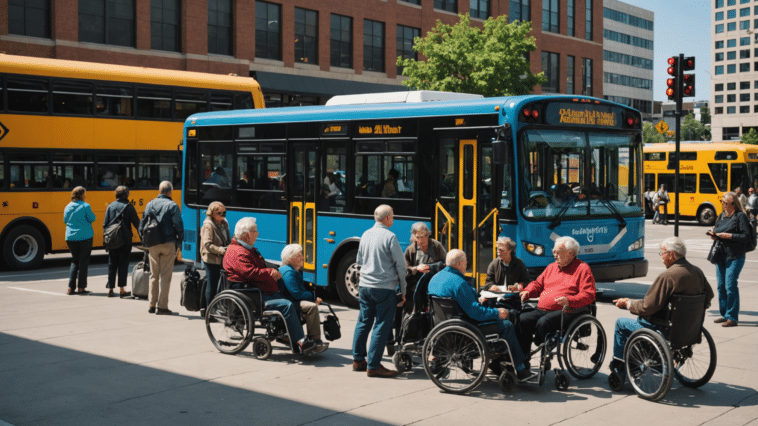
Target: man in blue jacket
451	282
163	255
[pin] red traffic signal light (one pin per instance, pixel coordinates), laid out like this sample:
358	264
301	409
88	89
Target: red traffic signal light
671	89
689	85
689	63
673	65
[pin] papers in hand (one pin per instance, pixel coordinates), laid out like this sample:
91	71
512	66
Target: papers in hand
495	295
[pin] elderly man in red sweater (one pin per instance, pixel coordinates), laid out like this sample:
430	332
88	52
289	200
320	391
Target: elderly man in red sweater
568	283
245	268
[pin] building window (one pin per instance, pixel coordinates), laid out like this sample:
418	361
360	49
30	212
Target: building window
731	2
373	45
719	3
745	67
731	26
220	27
731	43
745	54
731	86
587	76
755	108
744	109
306	36
731	14
720	44
755	23
341	41
744	97
731	110
731	69
719	70
449	5
719	28
745	11
550	13
29	18
571	17
744	41
480	9
107	22
719	57
731	99
570	75
418	2
744	85
718	110
550	68
718	99
745	25
268	35
731	55
165	21
405	36
519	10
588	20
719	16
720	87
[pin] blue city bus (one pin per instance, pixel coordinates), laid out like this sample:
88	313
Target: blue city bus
532	168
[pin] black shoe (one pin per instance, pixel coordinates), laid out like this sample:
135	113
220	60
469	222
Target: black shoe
163	312
202	313
524	374
151	310
125	294
307	346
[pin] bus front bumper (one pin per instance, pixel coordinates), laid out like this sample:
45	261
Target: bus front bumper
615	271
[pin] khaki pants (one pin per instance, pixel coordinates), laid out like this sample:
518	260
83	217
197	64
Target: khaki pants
312	319
162	257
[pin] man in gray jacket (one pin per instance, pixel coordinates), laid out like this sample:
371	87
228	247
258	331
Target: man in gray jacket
162	256
382	272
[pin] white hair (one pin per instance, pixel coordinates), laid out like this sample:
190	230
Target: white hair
568	243
507	242
165	187
382	212
243	226
676	245
454	256
290	251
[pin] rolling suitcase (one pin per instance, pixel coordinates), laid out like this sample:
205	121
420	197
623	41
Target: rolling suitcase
141	278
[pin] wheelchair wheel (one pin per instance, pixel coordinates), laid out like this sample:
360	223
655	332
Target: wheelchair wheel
696	364
261	348
455	358
584	347
562	380
615	382
507	381
229	323
648	364
403	361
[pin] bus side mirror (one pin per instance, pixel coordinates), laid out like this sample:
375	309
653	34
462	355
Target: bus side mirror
501	145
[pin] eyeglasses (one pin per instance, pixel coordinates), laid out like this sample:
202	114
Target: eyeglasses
662	253
726	202
222	214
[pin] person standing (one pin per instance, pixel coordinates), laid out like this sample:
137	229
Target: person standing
741	195
214	239
162	256
661	198
732	229
118	258
78	217
382	272
752	203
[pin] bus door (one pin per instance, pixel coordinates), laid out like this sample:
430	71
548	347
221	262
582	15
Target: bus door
465	217
304	187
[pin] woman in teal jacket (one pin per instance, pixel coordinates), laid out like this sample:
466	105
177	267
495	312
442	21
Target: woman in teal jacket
78	217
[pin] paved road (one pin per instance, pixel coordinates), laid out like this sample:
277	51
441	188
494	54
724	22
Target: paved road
91	360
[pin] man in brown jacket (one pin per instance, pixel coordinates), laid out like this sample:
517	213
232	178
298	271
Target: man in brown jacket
680	277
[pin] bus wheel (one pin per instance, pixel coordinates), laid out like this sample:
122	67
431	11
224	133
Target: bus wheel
24	248
348	273
706	216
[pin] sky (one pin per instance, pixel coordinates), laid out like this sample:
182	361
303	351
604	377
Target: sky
681	27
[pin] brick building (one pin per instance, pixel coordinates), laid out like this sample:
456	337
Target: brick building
302	52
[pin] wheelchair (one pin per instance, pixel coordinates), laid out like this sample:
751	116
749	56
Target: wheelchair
652	358
232	316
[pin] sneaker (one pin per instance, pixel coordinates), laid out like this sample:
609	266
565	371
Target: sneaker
360	365
163	312
307	346
320	347
524	374
381	372
151	310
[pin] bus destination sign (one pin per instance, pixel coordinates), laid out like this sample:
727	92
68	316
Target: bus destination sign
334	130
563	113
380	129
385	129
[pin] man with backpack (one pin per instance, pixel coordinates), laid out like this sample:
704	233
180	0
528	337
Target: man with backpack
162	232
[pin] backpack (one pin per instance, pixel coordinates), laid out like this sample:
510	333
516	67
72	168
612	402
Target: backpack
151	233
751	240
112	236
192	290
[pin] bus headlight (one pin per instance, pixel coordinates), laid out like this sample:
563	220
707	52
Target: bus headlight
637	245
534	249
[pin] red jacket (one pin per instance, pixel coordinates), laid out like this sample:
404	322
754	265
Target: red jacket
575	281
248	267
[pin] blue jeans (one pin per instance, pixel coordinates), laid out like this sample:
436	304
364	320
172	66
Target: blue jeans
277	302
212	275
508	333
377	311
624	328
727	274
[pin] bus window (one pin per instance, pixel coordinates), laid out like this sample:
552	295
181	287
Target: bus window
688	183
71	97
216	184
188	103
507	202
739	177
383	175
260	181
156	168
706	184
221	102
334	164
116	101
243	101
153	102
650	181
655	156
72	170
29	171
27	95
115	170
719	172
725	156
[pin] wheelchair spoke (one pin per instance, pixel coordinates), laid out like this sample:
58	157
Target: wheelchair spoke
696	364
455	359
228	324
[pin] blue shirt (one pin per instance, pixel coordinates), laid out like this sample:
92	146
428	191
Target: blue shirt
78	217
381	259
293	281
451	283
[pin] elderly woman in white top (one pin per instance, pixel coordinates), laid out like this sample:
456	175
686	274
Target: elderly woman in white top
292	263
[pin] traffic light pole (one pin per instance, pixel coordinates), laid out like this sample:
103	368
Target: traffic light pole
678	118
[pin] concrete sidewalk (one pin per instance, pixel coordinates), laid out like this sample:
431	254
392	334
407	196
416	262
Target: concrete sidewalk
93	360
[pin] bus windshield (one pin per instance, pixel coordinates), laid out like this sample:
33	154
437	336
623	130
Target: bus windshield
575	174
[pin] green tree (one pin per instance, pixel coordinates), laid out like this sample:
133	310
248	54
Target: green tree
705	114
461	58
650	135
691	129
750	137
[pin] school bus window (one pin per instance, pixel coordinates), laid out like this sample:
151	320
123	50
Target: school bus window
28	95
725	155
221	102
720	175
153	103
72	170
156	168
115	101
706	184
655	156
189	102
29	171
115	170
72	97
244	101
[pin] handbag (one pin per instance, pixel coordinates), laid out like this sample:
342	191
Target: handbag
717	252
112	236
151	234
331	325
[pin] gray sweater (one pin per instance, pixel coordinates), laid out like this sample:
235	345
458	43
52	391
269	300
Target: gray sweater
381	259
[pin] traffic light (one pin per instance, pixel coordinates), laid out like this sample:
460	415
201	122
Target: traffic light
688	80
671	83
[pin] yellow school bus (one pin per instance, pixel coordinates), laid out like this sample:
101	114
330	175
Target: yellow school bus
67	123
706	172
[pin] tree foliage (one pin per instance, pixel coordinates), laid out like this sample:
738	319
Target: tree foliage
692	129
750	137
461	58
650	135
705	114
